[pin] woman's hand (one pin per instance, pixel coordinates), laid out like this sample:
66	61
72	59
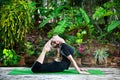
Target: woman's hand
76	66
83	69
83	72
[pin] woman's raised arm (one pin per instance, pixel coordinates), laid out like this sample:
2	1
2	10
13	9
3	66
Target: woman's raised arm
75	65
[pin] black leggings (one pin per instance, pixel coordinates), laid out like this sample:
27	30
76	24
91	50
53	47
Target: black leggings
49	67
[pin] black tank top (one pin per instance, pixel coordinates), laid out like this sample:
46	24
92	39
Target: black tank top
66	50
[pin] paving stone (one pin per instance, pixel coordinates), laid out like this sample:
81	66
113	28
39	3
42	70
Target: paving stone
110	74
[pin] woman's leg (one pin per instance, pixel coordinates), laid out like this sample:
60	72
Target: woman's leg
39	66
36	67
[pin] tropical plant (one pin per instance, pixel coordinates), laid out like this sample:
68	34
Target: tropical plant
70	39
10	57
65	18
101	55
29	48
113	25
113	30
15	21
107	16
76	19
79	37
101	12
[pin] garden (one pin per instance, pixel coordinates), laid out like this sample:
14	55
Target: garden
91	27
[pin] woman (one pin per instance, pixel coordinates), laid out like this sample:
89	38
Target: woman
58	65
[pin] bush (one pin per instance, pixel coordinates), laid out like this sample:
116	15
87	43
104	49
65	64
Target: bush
15	21
10	57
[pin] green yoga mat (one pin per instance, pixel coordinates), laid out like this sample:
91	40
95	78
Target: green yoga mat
27	71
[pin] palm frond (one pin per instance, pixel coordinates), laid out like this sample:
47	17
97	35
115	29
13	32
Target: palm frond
85	16
60	28
113	25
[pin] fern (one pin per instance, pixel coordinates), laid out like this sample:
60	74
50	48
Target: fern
45	21
102	12
54	13
108	4
60	27
99	13
57	10
85	16
113	25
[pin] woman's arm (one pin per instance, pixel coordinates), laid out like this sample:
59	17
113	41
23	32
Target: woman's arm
75	65
46	48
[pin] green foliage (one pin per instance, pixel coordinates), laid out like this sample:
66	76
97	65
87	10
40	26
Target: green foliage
3	2
29	48
101	12
60	27
113	25
107	9
15	21
117	6
108	4
85	16
70	39
65	18
49	14
101	55
46	21
107	21
79	38
10	57
76	19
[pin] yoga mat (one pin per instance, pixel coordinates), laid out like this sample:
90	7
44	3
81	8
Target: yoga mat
27	71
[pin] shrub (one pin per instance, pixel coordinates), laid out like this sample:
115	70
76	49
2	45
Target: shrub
15	21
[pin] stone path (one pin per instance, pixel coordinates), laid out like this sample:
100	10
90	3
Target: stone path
110	74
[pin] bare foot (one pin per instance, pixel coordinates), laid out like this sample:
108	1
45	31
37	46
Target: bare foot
57	59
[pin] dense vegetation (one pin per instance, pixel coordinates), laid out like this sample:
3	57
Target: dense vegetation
79	22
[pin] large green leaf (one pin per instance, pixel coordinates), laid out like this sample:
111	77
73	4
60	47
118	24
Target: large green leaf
99	13
85	16
60	27
45	21
113	25
53	14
